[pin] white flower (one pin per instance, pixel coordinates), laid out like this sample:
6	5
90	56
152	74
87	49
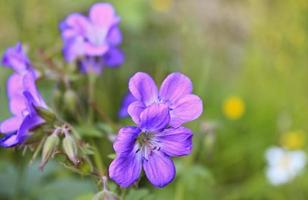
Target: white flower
284	165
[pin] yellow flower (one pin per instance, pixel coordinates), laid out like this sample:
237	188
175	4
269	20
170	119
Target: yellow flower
161	5
233	107
293	139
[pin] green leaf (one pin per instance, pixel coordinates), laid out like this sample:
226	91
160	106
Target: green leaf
105	127
89	131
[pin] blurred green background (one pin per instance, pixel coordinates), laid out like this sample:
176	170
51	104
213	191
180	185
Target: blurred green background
253	49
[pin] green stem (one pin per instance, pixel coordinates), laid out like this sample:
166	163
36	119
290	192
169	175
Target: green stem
91	101
98	160
123	193
91	95
179	191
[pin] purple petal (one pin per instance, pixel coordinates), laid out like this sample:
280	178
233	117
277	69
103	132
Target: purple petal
186	109
103	14
30	122
134	110
9	140
74	25
15	85
16	58
125	170
175	142
127	100
143	88
93	50
11	124
31	103
30	87
159	169
126	139
16	138
155	117
18	105
175	86
114	57
114	36
73	48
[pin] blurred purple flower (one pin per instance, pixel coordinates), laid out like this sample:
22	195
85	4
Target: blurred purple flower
23	98
150	146
93	38
127	100
175	92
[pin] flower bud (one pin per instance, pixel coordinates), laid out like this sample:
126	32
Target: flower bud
46	114
70	148
70	100
50	146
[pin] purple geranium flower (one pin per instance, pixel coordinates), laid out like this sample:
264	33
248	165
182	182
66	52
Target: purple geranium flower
150	146
175	92
127	100
23	98
94	38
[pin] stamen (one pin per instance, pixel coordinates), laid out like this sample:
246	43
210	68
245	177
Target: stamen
146	144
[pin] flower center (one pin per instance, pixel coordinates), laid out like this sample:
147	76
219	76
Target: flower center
146	143
97	36
145	138
285	162
166	102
